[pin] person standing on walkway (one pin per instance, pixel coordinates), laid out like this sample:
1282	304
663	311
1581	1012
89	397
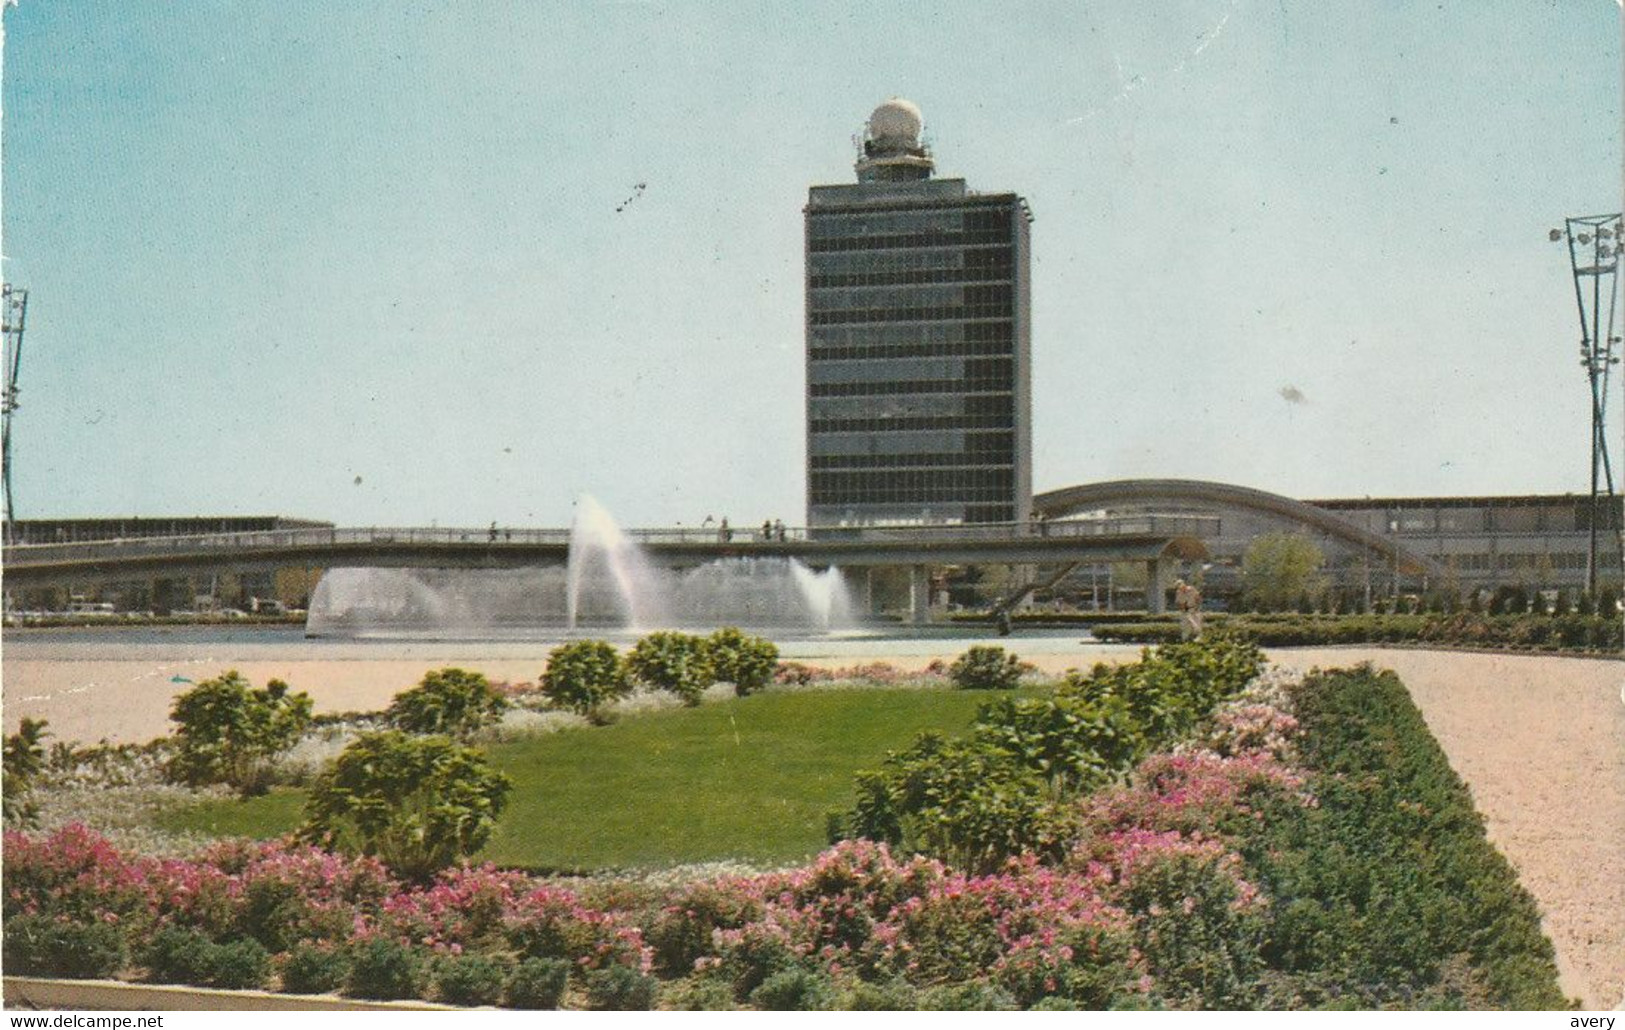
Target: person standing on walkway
1188	600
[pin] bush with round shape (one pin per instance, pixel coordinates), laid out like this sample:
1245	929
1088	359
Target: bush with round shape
450	701
45	946
673	662
986	668
621	989
314	969
973	996
891	996
538	983
794	990
747	662
417	804
239	965
700	994
231	733
585	675
180	955
383	969
471	979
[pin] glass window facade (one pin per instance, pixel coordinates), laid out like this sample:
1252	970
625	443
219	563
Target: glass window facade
918	355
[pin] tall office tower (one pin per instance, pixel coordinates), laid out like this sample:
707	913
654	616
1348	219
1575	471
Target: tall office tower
919	399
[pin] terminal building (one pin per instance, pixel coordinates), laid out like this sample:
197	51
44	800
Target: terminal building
918	328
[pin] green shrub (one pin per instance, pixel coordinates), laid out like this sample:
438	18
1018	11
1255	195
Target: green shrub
974	996
24	760
418	804
745	661
700	994
538	983
585	675
449	701
181	956
620	989
314	969
231	733
794	990
45	946
471	979
674	662
891	996
383	969
239	965
986	668
1054	1003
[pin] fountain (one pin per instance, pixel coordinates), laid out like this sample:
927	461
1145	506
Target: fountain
608	584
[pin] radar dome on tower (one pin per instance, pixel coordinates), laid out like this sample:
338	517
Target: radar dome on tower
892	151
896	120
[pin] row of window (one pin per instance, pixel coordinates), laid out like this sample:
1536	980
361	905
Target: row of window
871	222
906	240
904	423
958	313
898	387
1562	561
845	298
924	332
985	348
931	259
843	462
898	495
946	275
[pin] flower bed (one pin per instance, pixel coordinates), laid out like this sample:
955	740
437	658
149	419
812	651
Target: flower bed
1296	846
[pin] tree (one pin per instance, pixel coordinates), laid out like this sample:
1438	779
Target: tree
1279	569
24	760
231	733
585	675
450	701
417	804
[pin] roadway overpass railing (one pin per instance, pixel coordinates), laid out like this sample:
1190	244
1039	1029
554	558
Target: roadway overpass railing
291	539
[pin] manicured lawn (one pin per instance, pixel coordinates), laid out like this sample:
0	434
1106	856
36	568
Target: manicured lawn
752	779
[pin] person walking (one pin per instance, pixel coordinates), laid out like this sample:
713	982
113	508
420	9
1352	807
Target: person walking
1188	600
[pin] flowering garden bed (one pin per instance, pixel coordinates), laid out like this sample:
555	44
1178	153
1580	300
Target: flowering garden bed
1263	844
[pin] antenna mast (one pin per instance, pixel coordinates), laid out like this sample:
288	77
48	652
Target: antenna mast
1594	245
13	317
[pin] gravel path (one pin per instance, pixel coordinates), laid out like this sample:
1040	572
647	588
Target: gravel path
1541	743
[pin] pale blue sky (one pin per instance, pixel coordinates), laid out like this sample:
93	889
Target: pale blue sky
273	248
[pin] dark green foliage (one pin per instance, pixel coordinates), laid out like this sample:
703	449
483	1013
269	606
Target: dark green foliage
1202	950
43	946
1055	1003
538	983
1554	632
239	965
314	969
471	979
621	989
794	990
177	955
383	969
24	760
585	675
416	803
986	668
745	661
1008	787
973	996
676	662
449	701
186	956
700	994
231	733
891	996
1387	892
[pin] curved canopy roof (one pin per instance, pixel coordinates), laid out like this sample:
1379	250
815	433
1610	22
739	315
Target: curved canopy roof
1071	500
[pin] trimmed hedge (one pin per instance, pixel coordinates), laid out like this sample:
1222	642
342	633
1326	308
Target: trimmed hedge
1387	892
1462	629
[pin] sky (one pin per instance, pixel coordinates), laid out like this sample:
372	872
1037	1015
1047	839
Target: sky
411	263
